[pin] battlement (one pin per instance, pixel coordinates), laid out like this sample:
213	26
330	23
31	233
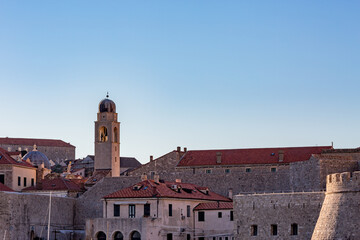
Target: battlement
343	182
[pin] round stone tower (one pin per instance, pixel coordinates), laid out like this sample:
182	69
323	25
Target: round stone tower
340	214
107	142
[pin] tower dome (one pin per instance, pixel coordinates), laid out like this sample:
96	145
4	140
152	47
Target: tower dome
107	105
37	158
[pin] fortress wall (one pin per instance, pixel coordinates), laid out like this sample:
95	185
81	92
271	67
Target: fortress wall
89	204
339	216
22	213
304	176
283	210
342	162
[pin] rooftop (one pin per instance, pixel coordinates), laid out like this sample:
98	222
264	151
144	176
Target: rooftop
5	158
32	141
152	189
4	188
214	206
56	184
248	156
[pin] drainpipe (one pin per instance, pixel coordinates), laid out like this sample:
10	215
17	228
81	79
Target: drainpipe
157	207
194	224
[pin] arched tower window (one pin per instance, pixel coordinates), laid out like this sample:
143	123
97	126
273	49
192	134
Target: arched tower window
101	236
116	137
118	236
103	134
135	236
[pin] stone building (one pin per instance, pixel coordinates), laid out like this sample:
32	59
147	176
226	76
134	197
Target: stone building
56	150
280	193
339	215
107	142
16	174
154	210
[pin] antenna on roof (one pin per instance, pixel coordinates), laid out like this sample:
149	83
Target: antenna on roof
107	95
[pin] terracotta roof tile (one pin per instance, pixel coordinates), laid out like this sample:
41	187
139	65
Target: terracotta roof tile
248	156
56	184
5	188
32	141
5	158
150	189
214	206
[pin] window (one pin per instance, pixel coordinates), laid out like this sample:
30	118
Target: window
254	230
201	217
274	229
208	171
188	237
152	174
170	210
273	169
103	134
188	211
19	181
146	210
219	214
131	211
231	215
116	210
118	236
169	236
201	238
248	170
227	170
32	182
294	229
24	181
2	178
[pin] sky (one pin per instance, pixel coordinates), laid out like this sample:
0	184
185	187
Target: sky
196	74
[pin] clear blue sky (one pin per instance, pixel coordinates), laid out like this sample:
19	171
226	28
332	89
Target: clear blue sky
200	74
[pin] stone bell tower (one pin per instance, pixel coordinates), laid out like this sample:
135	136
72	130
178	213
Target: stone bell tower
107	142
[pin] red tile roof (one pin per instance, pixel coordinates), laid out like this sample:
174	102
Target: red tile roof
150	189
32	141
214	206
56	184
5	158
248	156
5	188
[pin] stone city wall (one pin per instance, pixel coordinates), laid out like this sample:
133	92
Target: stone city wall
20	214
339	216
282	210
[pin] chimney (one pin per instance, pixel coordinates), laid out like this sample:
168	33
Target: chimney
218	157
178	180
230	193
281	155
156	178
178	149
185	149
151	158
143	177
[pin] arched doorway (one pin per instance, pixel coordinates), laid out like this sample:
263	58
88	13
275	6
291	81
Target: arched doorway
118	236
101	236
135	236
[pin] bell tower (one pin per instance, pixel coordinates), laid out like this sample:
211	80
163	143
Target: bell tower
107	141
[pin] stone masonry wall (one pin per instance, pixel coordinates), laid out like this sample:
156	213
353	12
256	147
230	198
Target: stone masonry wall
89	205
339	216
282	210
22	213
57	154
